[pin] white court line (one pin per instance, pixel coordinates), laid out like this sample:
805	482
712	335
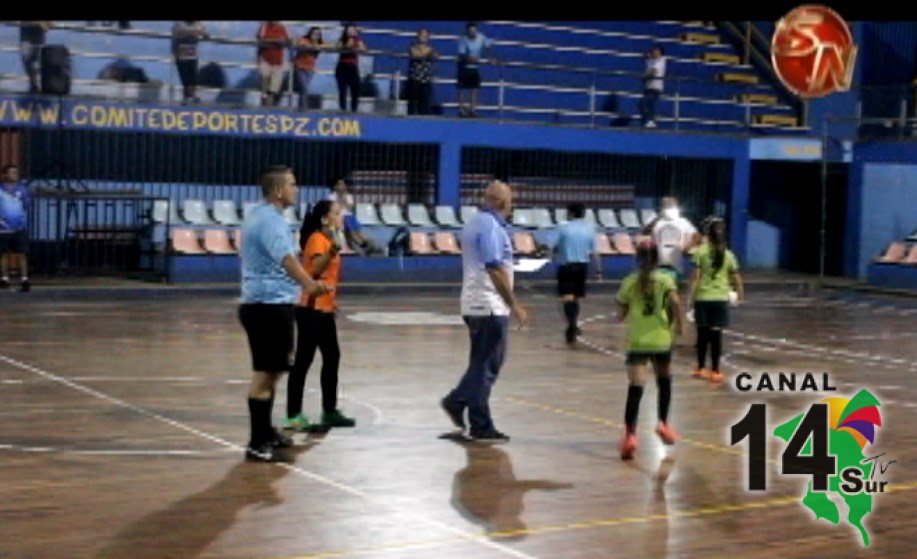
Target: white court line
121	452
302	472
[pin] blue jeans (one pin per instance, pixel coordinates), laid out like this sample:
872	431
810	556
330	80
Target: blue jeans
488	349
303	79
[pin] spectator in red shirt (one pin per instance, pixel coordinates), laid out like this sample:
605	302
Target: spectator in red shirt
272	42
307	50
347	71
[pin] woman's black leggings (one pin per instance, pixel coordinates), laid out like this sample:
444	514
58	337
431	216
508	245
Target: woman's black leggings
348	77
314	330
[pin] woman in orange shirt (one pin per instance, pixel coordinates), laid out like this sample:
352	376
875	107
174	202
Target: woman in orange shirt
321	238
307	51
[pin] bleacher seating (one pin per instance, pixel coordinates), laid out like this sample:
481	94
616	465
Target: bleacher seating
225	212
629	219
186	241
216	241
603	245
391	215
445	242
445	216
522	217
467	212
624	244
607	218
367	215
419	216
895	253
524	243
547	69
419	243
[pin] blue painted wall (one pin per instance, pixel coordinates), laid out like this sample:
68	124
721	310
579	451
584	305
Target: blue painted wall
882	200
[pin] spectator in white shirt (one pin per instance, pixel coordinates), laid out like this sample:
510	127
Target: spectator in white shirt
653	79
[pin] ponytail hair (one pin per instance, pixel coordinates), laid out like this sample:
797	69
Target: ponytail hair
717	234
313	221
647	260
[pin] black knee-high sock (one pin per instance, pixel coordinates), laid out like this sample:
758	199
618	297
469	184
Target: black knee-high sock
716	346
571	311
270	410
665	397
703	338
259	413
634	393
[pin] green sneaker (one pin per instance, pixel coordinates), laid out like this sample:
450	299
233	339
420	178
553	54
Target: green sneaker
298	423
337	419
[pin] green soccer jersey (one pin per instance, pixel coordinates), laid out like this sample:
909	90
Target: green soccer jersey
648	327
713	284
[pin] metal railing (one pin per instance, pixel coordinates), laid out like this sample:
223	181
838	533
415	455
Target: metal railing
593	84
109	233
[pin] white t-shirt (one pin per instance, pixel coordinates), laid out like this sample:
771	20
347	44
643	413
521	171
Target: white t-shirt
345	208
485	243
671	236
656	66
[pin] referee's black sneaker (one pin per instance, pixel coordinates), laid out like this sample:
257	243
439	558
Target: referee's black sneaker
279	440
266	452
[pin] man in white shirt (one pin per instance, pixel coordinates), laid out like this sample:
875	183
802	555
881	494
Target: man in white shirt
673	235
487	302
652	85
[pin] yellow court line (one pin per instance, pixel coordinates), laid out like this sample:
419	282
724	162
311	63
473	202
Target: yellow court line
587	524
611	423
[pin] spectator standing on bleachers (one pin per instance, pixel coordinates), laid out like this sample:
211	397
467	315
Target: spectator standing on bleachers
653	79
322	239
347	71
420	74
31	41
575	245
15	202
272	282
185	38
308	48
273	41
470	49
487	301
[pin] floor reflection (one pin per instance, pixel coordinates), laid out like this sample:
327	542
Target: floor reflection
487	492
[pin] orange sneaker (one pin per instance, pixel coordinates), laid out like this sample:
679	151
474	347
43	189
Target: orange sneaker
628	446
701	373
666	433
717	377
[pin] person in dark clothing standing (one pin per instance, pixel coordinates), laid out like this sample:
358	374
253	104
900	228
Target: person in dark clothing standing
347	72
185	37
31	40
420	74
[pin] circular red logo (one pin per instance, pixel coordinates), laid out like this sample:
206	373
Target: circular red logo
813	52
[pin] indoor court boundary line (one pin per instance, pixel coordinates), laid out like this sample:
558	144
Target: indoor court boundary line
302	472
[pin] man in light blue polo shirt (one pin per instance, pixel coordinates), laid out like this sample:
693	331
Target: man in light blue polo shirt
470	48
574	247
487	301
271	281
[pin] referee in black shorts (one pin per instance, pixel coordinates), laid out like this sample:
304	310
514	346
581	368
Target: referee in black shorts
575	245
271	281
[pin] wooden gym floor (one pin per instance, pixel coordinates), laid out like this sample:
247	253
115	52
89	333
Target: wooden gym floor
122	425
